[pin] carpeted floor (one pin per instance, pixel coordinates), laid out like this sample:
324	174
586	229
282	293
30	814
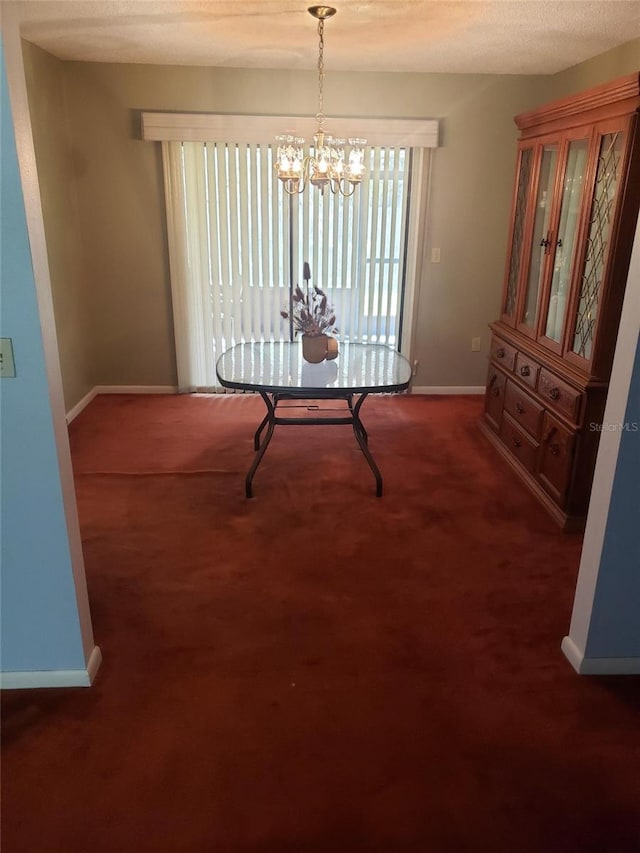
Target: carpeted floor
318	670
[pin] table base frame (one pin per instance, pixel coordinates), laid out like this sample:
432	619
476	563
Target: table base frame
271	420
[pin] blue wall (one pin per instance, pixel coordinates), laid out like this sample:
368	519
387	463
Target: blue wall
40	625
615	620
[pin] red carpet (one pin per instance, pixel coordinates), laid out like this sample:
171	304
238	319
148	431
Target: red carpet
318	670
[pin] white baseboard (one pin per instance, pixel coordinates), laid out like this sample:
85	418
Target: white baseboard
448	389
54	677
598	666
75	411
118	389
136	389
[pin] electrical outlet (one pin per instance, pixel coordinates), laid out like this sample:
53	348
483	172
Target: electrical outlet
475	344
7	364
414	371
435	256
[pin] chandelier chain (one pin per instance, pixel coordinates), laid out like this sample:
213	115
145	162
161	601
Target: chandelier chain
321	70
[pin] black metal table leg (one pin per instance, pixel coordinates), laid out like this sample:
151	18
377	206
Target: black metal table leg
363	431
361	438
269	419
256	437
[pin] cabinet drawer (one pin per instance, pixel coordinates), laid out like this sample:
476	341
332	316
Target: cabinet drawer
503	354
527	369
556	456
494	397
523	409
558	395
521	446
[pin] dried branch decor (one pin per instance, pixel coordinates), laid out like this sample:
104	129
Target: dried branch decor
312	314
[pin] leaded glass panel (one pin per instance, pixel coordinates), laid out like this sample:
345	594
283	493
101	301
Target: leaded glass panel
524	174
540	244
602	210
567	233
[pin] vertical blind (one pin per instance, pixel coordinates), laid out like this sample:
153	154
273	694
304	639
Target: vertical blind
237	240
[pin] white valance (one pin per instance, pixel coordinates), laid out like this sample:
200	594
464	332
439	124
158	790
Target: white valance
250	129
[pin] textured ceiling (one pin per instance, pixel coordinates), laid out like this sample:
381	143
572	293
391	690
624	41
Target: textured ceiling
498	37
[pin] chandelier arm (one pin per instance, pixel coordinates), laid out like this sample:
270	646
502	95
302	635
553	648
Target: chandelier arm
337	189
304	178
302	181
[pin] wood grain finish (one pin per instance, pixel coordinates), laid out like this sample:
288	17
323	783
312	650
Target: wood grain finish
519	443
523	409
559	395
545	400
526	369
503	354
556	456
494	397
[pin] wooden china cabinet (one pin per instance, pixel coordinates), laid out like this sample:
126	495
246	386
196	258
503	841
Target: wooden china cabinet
575	206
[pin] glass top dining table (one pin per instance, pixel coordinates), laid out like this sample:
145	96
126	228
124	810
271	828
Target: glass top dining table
279	366
278	372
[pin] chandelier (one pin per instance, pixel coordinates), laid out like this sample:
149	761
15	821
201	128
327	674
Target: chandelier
337	163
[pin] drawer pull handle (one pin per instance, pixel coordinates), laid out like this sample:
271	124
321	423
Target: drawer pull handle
501	352
519	408
554	449
554	393
525	370
495	392
516	442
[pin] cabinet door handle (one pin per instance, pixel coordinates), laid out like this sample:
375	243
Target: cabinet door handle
559	243
550	432
519	408
494	389
554	393
500	353
554	449
516	442
546	242
525	370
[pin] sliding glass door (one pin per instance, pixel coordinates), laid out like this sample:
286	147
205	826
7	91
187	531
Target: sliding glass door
238	242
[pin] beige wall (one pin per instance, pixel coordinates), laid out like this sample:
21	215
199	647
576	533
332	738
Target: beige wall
56	170
614	63
470	202
119	185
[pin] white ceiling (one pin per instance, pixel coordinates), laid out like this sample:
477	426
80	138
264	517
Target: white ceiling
471	36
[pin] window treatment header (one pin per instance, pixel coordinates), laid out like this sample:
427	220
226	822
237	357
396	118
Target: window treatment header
217	127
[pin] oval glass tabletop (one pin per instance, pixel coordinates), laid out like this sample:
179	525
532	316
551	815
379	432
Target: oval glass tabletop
278	366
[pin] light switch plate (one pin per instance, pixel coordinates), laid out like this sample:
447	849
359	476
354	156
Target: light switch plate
7	364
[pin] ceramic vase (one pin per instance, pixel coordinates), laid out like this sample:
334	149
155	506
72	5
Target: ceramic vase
314	348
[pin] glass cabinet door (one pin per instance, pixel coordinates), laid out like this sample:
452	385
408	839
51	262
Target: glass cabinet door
600	219
519	214
540	246
576	163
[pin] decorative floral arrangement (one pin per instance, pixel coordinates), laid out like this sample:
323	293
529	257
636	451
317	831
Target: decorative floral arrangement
312	314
